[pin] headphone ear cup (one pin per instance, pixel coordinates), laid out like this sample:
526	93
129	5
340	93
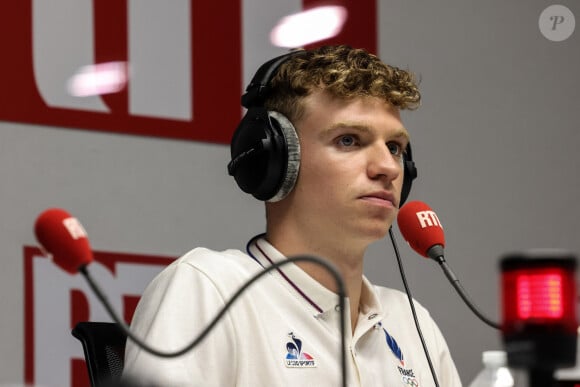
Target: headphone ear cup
291	162
265	155
410	173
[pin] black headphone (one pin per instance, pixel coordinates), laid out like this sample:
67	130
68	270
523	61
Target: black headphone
265	149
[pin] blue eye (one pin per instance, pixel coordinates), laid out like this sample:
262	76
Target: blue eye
347	141
395	148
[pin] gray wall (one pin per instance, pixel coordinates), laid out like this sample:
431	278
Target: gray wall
496	145
495	141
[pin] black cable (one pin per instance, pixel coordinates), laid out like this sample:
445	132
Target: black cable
410	297
462	293
341	293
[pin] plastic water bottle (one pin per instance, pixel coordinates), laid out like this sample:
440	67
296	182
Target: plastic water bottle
495	372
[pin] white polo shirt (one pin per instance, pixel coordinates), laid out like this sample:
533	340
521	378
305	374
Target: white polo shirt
284	331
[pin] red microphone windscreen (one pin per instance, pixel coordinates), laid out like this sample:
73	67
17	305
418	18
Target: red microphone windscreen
420	227
64	238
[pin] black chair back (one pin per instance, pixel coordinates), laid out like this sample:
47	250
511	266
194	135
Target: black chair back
104	349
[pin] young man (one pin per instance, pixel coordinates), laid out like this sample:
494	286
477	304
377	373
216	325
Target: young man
332	116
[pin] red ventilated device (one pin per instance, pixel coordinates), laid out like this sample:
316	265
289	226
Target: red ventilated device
540	325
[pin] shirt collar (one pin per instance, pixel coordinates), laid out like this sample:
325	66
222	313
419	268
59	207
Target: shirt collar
320	298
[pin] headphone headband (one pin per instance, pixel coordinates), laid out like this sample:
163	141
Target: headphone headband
259	86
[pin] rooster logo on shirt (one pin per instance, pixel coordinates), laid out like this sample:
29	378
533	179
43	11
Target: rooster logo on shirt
295	357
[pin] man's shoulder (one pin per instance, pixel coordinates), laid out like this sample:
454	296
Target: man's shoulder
205	256
227	263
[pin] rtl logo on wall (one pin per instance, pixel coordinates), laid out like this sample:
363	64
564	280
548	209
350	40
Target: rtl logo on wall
182	58
55	301
183	64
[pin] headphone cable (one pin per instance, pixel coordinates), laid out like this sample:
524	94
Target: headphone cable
412	305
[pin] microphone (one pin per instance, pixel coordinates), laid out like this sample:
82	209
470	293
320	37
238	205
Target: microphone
422	230
65	239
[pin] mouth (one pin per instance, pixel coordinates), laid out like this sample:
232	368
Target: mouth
381	198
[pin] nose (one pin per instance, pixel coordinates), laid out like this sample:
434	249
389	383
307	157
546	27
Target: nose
382	164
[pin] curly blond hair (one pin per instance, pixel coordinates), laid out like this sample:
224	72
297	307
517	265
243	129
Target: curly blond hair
344	72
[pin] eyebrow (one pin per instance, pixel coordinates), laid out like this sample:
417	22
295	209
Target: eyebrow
362	128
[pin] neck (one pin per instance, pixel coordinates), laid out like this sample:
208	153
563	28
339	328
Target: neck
348	261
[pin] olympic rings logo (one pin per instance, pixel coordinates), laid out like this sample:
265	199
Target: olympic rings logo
410	381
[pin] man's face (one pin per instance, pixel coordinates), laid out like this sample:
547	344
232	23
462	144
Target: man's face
351	169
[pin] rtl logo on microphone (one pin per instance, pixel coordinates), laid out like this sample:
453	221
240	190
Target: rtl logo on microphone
428	219
74	228
55	301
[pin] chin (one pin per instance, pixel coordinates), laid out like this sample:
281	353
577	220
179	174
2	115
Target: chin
376	233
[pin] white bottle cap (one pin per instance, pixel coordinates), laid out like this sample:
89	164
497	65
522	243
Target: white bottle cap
494	358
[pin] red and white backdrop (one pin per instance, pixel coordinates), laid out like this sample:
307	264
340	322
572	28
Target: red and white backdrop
55	301
144	168
184	61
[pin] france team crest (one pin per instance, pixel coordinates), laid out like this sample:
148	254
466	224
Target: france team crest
295	356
